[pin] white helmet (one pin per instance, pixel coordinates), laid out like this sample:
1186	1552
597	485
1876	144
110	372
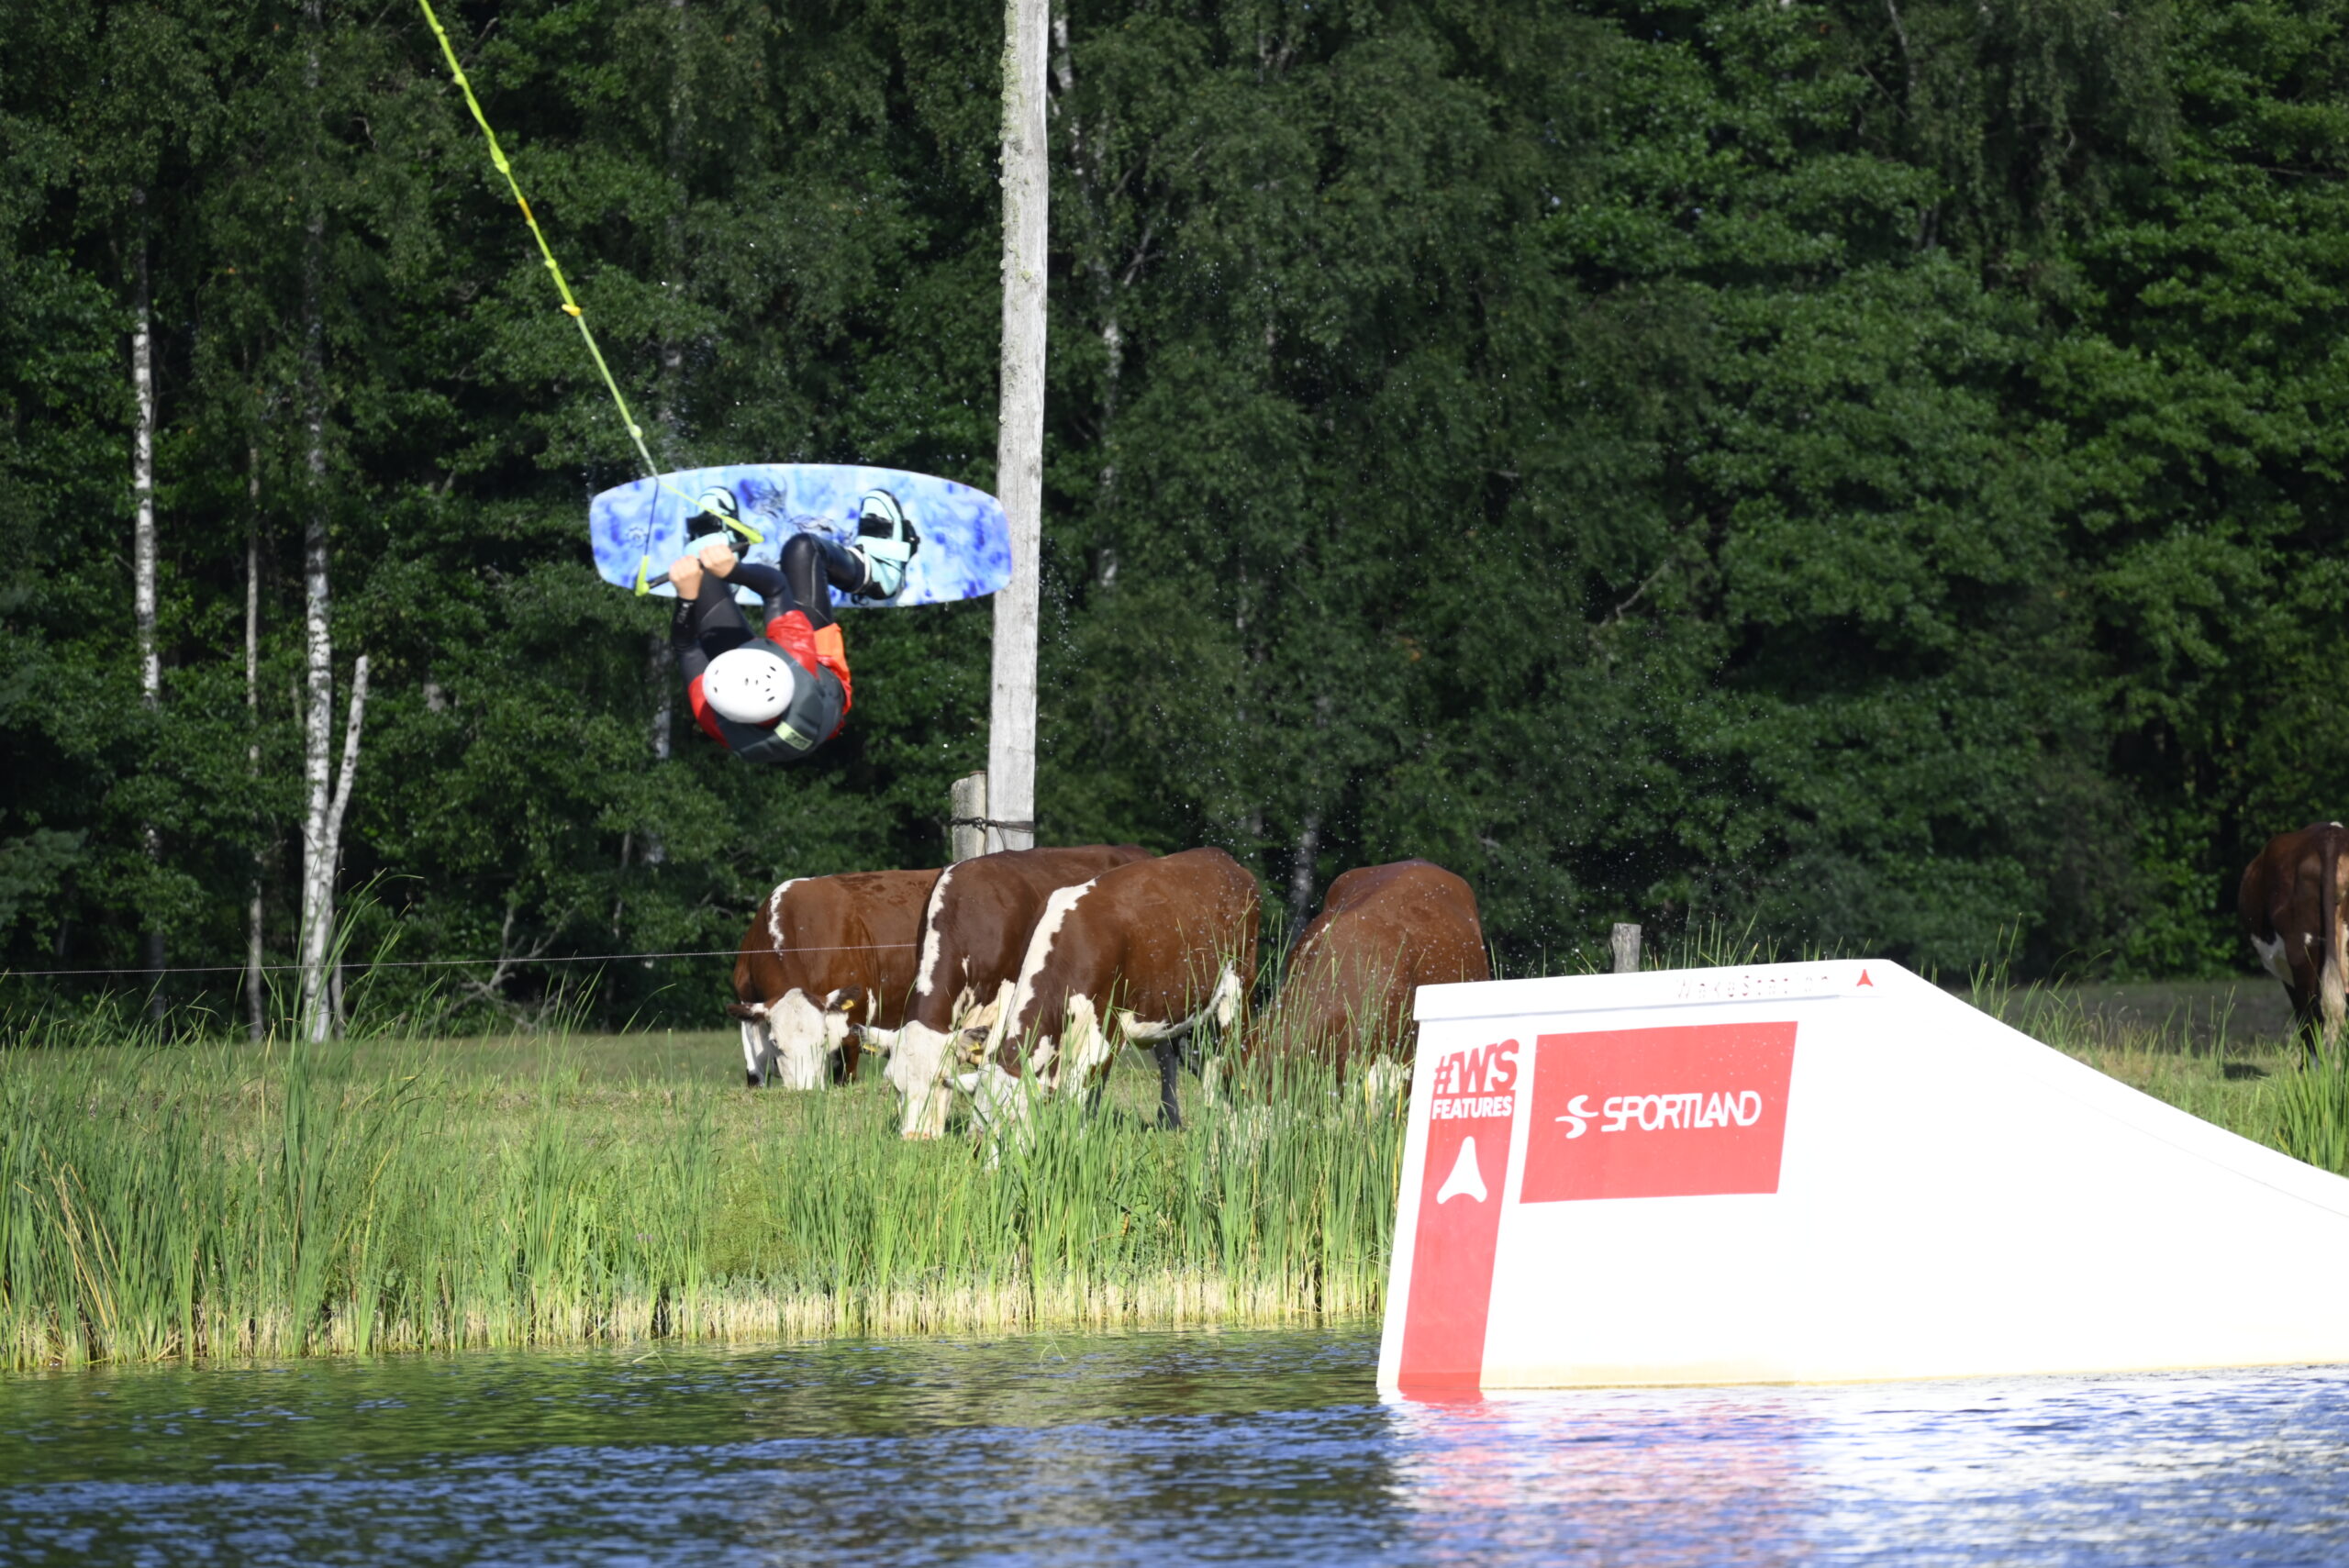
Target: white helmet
749	686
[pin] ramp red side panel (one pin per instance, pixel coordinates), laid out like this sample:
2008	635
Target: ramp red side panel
1473	1114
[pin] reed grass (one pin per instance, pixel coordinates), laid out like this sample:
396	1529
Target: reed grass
170	1200
221	1200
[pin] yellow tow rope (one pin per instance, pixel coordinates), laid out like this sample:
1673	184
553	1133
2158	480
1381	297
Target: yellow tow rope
570	304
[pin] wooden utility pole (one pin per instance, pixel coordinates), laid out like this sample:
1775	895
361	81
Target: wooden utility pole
966	822
1019	438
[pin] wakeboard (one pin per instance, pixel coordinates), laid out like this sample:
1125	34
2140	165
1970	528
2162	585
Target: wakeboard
638	529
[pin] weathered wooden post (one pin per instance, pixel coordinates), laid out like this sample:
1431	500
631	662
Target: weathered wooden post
1627	948
1019	429
966	820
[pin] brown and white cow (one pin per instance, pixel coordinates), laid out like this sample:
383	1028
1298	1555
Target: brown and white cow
973	934
2290	904
1383	931
1139	956
825	957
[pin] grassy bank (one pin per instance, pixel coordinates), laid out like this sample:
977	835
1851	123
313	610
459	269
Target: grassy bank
2223	1052
164	1201
241	1201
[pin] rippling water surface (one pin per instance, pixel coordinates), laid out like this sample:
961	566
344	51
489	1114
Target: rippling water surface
1237	1447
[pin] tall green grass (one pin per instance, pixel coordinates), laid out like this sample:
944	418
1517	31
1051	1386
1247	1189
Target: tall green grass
233	1201
161	1200
2194	1059
2312	1114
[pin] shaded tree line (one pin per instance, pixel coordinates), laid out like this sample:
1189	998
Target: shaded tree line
1866	474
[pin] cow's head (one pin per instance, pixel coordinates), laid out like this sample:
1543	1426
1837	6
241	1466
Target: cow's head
918	1059
922	1062
788	1040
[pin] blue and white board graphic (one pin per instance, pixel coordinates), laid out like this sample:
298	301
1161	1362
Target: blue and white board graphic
965	542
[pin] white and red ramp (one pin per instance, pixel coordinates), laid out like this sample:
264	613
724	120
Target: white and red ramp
1823	1172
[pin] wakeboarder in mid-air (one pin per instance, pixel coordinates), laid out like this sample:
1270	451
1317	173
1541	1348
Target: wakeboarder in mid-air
778	697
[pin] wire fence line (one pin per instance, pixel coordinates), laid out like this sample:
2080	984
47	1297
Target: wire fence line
443	962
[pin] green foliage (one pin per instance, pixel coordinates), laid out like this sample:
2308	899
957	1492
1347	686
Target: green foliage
1873	476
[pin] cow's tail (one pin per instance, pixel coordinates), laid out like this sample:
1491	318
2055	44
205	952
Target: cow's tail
2332	981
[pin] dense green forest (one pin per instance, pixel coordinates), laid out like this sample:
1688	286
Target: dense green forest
1868	474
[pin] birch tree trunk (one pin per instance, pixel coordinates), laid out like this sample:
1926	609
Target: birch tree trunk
1019	439
144	554
322	856
256	1001
319	856
320	851
334	1012
143	550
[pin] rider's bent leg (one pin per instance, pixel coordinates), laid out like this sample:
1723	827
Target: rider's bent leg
811	562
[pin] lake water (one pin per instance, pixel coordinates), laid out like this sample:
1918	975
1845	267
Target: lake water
1212	1448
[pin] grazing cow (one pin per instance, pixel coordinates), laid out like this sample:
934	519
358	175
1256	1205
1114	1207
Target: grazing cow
2290	906
973	933
825	957
1383	931
1141	956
